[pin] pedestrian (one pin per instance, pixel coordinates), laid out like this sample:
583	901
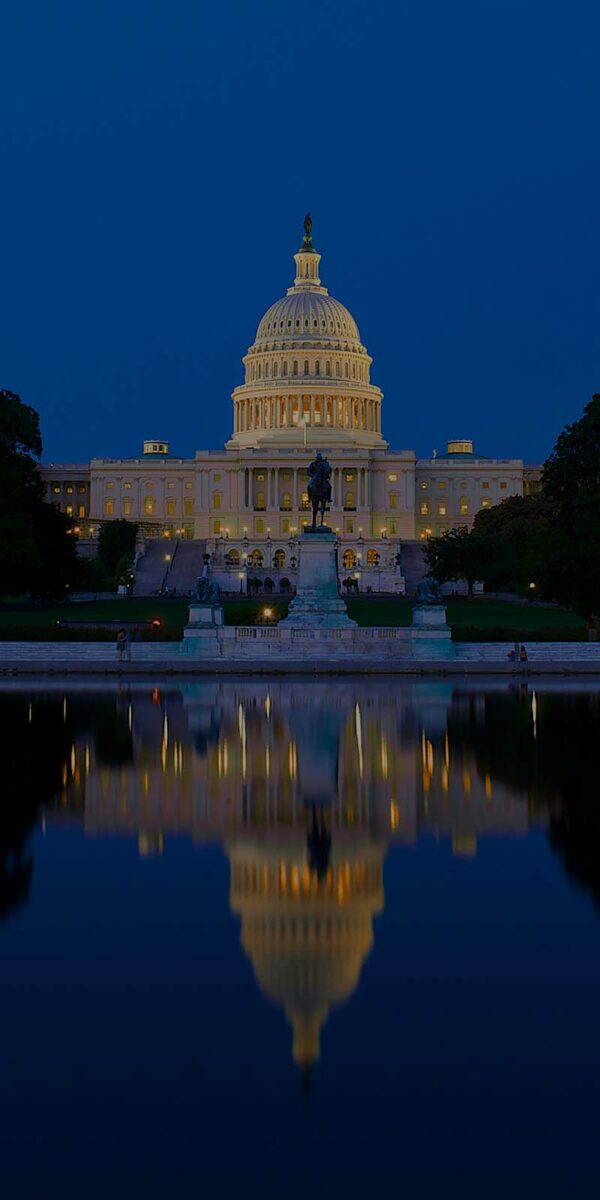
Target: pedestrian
522	654
592	628
511	656
121	645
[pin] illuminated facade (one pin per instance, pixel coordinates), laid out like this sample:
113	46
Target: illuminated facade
307	385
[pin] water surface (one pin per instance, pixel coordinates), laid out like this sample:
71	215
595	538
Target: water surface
294	938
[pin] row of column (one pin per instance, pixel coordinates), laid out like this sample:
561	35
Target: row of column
275	485
278	412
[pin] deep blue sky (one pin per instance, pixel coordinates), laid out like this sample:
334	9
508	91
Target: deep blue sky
158	157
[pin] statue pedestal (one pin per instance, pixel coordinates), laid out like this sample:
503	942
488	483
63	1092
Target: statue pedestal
204	615
201	635
429	616
317	602
430	634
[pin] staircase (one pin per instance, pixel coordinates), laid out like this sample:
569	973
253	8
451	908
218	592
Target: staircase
185	567
151	569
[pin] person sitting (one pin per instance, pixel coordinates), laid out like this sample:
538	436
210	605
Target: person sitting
522	654
511	656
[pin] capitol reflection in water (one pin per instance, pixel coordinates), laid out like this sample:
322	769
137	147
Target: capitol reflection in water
305	786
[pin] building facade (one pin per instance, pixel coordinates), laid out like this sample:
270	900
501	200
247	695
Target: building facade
307	386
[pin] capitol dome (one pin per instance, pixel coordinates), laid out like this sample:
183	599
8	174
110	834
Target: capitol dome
307	369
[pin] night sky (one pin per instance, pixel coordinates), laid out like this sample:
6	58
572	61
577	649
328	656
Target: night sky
157	162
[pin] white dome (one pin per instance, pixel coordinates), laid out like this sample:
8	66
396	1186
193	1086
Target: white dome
308	316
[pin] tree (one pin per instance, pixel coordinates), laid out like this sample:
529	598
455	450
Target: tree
515	536
571	485
37	550
116	546
456	554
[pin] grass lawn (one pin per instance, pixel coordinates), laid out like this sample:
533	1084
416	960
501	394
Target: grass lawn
473	620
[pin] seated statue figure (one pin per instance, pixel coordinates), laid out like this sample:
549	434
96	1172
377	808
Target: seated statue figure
207	592
429	591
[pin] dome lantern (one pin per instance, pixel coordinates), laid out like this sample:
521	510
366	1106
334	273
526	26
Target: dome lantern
307	261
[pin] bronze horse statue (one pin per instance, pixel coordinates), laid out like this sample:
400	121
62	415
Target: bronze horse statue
319	487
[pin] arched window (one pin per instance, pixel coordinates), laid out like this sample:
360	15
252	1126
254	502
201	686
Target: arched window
148	505
286	501
353	370
259	371
284	368
317	368
372	558
328	368
109	508
279	559
256	558
295	367
349	559
349	500
216	500
232	558
260	500
306	366
346	370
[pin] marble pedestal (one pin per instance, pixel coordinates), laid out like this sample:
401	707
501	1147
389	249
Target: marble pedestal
431	635
201	632
317	603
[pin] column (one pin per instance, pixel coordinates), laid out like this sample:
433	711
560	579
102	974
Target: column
295	489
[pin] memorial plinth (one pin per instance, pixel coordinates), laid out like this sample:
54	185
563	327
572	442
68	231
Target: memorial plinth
201	634
431	634
317	603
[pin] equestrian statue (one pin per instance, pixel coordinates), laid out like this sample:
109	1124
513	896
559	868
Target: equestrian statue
319	487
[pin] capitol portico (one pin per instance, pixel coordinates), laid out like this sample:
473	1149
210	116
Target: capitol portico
307	386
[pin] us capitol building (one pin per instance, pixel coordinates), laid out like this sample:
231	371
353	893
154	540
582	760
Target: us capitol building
307	386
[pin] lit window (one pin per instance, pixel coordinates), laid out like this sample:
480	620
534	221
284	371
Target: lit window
392	527
216	526
127	508
259	525
442	483
81	510
442	510
485	484
464	505
349	526
81	489
349	477
188	508
188	487
216	499
171	486
69	488
424	508
69	510
148	505
486	503
170	508
56	490
127	486
109	508
503	485
285	525
217	476
110	484
148	485
393	500
393	478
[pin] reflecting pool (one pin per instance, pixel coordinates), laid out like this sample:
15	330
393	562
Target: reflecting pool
299	937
